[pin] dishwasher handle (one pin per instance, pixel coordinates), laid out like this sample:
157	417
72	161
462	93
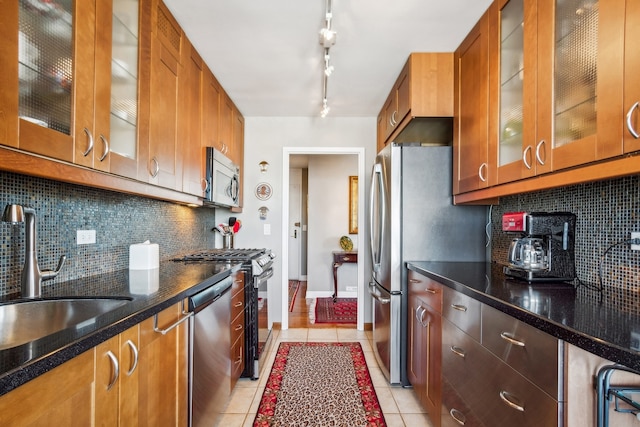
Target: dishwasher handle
202	299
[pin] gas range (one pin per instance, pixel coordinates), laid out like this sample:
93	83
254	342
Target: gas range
259	259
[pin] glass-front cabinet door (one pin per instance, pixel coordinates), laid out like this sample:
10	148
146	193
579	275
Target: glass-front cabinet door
587	69
47	91
123	106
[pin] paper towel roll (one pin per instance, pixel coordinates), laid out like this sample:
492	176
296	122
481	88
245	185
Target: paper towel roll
144	256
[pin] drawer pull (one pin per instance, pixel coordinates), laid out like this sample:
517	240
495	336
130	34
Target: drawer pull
509	338
630	128
508	398
431	291
457	416
459	307
414	281
238	328
238	304
458	351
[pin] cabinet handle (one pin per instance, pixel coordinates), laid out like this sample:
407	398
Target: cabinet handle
431	291
482	177
205	185
507	398
116	369
392	119
458	351
414	281
156	169
239	359
632	131
457	416
238	328
90	147
106	151
238	304
509	338
459	307
525	157
165	331
134	350
540	145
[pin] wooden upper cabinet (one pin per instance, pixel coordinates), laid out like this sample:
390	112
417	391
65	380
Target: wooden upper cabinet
521	150
163	160
471	148
225	133
631	80
424	88
48	61
190	120
211	95
238	150
586	48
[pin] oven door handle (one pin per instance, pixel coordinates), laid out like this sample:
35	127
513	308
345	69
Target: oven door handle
263	278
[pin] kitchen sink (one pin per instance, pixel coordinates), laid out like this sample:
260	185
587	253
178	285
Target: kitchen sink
24	321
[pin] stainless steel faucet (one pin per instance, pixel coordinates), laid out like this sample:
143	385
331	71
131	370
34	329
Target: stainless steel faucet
32	278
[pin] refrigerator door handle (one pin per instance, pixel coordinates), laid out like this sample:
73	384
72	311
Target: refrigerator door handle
377	210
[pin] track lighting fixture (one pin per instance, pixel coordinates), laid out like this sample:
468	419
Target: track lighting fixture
327	39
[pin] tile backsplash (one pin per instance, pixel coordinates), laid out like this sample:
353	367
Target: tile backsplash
119	221
607	212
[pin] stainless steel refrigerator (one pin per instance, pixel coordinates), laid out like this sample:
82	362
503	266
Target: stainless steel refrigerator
412	218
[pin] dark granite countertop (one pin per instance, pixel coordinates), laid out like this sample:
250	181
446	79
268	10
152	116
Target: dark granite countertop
555	308
176	280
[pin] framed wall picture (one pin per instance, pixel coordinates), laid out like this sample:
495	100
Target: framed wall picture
353	205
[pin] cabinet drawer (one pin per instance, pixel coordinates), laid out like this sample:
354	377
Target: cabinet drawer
462	311
345	257
238	284
237	304
428	290
532	353
237	326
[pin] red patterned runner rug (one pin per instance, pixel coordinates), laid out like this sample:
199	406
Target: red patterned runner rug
344	310
319	384
294	285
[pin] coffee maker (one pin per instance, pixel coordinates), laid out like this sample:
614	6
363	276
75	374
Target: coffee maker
545	248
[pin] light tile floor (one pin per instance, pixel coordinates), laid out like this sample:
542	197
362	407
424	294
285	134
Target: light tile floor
399	405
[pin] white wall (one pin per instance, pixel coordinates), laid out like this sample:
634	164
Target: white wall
265	139
328	221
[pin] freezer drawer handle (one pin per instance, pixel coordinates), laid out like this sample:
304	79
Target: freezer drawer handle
508	399
458	351
459	307
380	299
509	338
457	416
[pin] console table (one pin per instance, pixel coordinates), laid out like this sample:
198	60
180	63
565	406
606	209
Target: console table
339	258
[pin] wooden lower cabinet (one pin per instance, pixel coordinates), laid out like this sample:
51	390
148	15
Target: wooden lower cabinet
163	397
116	380
424	356
237	332
62	397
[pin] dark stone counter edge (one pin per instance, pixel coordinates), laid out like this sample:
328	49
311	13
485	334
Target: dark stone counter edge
36	367
584	341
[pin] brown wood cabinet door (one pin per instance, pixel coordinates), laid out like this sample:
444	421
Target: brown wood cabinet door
54	70
61	397
238	150
471	124
210	110
164	166
432	335
416	365
190	119
225	134
161	387
631	80
587	68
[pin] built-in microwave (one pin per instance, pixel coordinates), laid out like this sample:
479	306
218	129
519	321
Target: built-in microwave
223	180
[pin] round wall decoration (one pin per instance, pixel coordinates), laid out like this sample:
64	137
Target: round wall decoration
263	191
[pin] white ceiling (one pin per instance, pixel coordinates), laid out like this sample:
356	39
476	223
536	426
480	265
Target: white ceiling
267	55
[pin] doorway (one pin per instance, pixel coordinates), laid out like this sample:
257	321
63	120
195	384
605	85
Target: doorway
286	232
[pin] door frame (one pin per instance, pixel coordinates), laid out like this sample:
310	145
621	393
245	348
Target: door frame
286	152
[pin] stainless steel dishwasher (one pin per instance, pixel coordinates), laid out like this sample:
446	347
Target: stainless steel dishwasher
209	353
